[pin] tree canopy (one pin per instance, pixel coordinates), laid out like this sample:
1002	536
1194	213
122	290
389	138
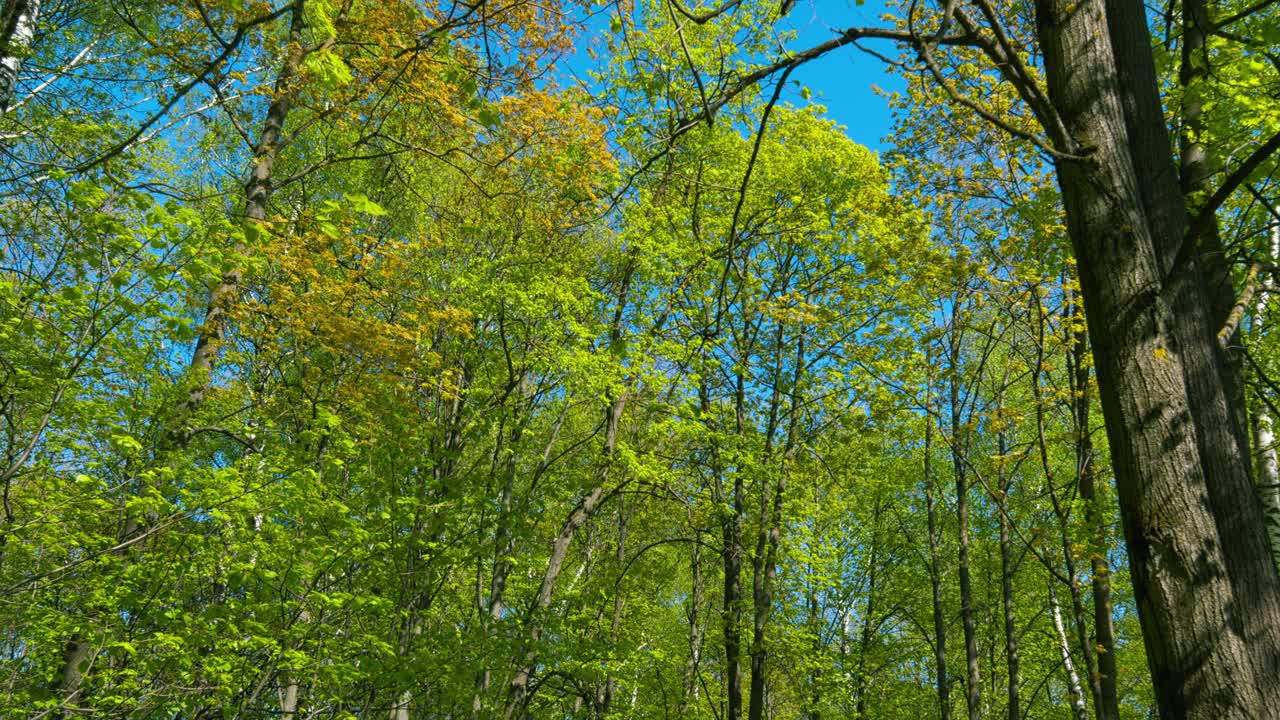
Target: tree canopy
491	359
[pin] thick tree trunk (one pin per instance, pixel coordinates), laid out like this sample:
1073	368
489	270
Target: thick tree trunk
1218	291
1188	268
1211	618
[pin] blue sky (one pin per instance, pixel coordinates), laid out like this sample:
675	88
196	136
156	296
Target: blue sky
843	80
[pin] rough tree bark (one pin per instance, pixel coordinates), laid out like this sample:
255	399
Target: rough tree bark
1211	618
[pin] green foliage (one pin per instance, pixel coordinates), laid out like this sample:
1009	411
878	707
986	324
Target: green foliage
477	298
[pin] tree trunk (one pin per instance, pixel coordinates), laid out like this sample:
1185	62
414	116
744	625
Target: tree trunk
1086	470
504	548
289	699
257	195
1196	171
763	600
1086	473
1007	570
75	660
692	668
732	531
1062	512
1211	619
813	623
1078	709
973	677
935	570
605	698
868	618
19	29
518	691
400	711
1264	438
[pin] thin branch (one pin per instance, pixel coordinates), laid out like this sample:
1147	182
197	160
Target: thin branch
1243	14
846	37
182	91
688	57
709	15
1233	182
1242	304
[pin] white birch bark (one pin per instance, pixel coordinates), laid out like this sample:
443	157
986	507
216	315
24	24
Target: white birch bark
16	47
1078	707
1264	439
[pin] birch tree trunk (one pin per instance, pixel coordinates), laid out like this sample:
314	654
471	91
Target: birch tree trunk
19	29
1100	569
1078	708
257	196
1264	438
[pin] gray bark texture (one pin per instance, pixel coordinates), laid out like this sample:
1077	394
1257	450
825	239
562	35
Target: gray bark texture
1207	593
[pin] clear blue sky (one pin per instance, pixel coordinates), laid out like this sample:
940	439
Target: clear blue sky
843	79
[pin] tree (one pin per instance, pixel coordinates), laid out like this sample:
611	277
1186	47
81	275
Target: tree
1169	393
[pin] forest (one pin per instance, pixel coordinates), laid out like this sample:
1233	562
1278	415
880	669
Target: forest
516	360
